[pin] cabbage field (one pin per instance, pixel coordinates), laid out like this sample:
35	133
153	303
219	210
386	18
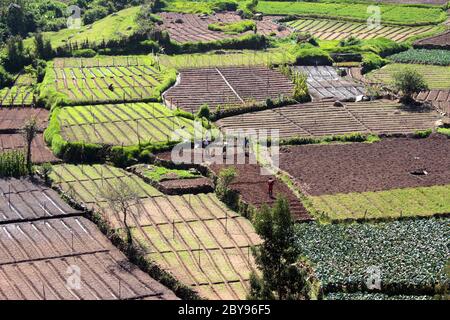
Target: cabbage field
411	254
423	56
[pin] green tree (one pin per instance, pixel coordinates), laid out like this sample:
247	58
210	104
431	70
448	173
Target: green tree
29	132
43	47
204	112
408	81
284	275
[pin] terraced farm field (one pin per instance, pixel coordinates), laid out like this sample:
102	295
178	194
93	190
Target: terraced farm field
324	83
395	177
39	151
437	77
338	30
324	119
440	41
195	237
228	58
13	119
184	28
144	80
43	240
127	124
227	87
438	98
16	96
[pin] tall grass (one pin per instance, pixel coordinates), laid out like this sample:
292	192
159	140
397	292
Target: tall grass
13	164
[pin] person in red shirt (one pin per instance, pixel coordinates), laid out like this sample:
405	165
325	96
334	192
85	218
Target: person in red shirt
270	184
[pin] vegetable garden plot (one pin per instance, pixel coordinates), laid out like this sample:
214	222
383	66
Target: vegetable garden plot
436	77
184	28
195	237
124	124
227	87
39	151
22	200
36	259
323	119
338	30
12	119
325	83
116	83
411	254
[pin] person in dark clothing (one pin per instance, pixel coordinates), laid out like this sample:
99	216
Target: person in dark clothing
270	185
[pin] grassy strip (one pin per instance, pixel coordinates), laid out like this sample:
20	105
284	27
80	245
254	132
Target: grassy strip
444	131
233	27
249	42
380	205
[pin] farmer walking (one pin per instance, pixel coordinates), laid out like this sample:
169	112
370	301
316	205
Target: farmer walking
270	185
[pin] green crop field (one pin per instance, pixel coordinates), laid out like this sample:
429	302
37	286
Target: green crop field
411	255
408	202
17	96
131	79
437	77
337	30
423	56
113	27
194	237
123	124
390	13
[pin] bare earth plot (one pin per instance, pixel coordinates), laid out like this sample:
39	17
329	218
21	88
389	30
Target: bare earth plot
337	30
324	83
195	237
39	151
253	188
227	87
440	41
194	28
392	178
324	119
43	242
12	119
123	124
438	98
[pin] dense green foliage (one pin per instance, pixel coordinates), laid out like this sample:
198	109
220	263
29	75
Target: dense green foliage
13	164
307	54
408	82
423	56
200	6
233	27
411	254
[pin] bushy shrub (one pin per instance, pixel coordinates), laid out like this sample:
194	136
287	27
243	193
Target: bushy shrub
204	112
13	164
421	134
372	61
309	55
224	6
84	53
350	41
6	79
92	15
